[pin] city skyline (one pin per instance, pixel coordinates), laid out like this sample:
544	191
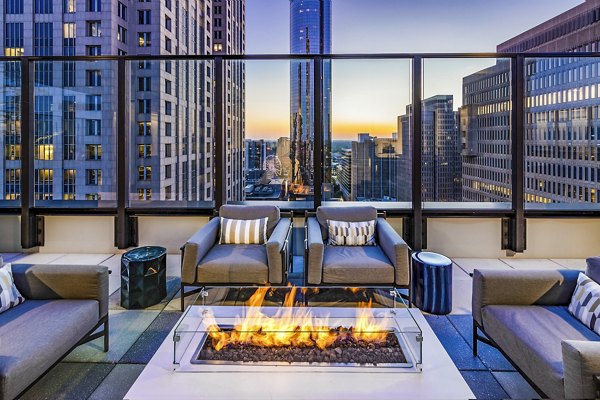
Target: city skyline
386	29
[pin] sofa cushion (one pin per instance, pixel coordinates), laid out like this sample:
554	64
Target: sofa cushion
585	303
234	263
344	233
9	294
346	213
252	212
531	336
36	334
243	231
356	265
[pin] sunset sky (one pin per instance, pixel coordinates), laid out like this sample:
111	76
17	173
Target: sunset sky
368	95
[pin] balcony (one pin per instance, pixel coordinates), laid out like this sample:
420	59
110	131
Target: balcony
117	152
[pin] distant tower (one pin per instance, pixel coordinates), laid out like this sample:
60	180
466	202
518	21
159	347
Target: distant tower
310	33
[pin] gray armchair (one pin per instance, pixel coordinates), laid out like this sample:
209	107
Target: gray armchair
387	263
205	262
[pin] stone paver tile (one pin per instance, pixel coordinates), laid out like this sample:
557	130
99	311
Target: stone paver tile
484	385
461	296
571	263
515	385
81	259
470	264
39	258
118	382
531	263
459	274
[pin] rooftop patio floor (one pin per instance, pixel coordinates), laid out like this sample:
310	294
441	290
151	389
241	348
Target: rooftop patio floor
135	335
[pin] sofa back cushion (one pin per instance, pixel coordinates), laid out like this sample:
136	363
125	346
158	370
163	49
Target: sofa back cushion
9	294
585	303
347	214
252	212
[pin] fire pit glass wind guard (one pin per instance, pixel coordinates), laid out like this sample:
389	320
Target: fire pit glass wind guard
239	338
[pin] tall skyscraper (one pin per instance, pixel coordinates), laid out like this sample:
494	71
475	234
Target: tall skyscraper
441	163
310	33
170	111
562	121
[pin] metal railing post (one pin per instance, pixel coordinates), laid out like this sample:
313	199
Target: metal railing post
416	226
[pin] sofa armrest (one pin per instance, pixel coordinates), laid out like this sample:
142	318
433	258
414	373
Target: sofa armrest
276	246
521	287
581	363
80	282
315	249
396	249
196	248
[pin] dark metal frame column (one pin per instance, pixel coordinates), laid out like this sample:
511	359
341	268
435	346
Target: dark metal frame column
514	228
125	225
219	132
416	222
31	225
319	154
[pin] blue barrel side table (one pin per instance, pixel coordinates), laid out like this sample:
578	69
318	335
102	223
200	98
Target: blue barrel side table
143	277
431	282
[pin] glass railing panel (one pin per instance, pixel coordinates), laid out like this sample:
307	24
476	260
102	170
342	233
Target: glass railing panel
562	133
74	133
466	134
10	133
172	133
367	145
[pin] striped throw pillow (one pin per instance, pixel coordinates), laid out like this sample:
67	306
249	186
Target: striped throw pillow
343	233
585	303
9	294
243	231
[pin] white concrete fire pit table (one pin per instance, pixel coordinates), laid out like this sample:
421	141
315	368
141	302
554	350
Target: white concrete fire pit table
172	374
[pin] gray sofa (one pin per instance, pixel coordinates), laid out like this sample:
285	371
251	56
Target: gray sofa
385	264
64	305
205	262
524	314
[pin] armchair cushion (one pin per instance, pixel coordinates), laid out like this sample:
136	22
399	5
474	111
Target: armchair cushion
343	233
252	212
531	336
348	214
234	263
356	265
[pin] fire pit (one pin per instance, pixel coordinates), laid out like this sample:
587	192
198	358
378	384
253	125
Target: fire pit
297	336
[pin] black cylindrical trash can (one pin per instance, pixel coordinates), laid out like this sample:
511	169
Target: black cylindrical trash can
143	277
431	282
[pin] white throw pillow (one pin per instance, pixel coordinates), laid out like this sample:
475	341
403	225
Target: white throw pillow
585	303
9	294
243	231
344	233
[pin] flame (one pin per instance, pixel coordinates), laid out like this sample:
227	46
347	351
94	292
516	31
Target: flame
291	326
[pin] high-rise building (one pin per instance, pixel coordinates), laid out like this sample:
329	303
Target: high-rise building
344	174
562	120
75	103
310	33
440	154
374	169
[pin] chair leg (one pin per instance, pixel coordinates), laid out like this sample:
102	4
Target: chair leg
106	334
182	298
475	339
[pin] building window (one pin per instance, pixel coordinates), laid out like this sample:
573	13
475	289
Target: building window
168	45
144	150
167	86
44	184
144	17
168	170
93	102
43	128
121	52
93	177
13	6
121	34
144	106
168	4
144	128
93	28
93	152
43	6
69	6
168	67
217	47
168	108
144	194
168	129
168	147
168	192
94	5
13	39
144	39
93	127
44	152
168	23
122	11
145	173
69	184
93	196
144	84
94	77
146	64
69	127
12	180
94	50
